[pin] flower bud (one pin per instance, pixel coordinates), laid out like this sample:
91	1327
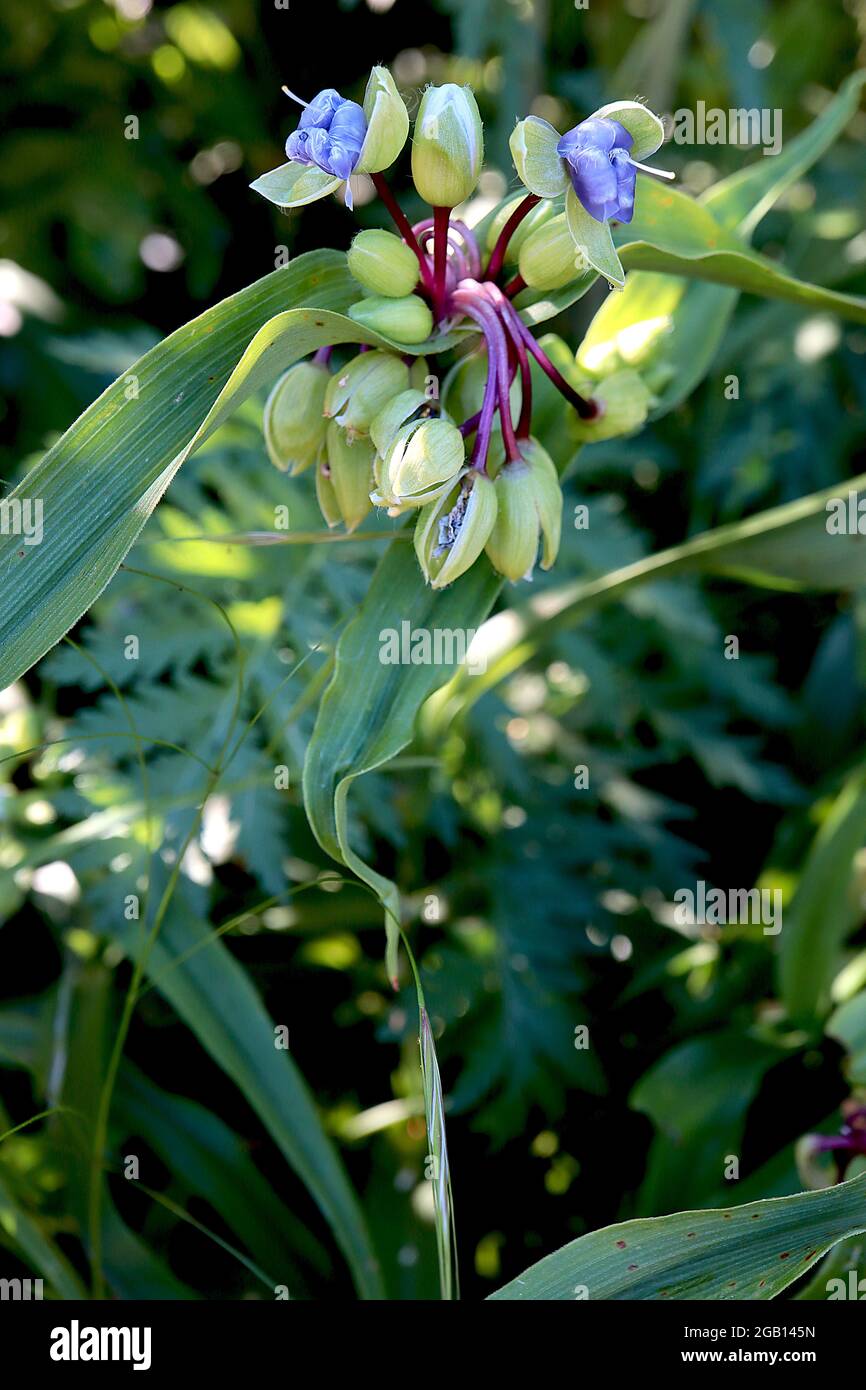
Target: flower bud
343	487
294	425
447	146
625	399
357	393
541	213
383	264
398	412
549	258
406	320
451	532
529	507
422	460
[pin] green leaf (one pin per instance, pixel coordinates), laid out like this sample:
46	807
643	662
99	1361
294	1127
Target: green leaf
751	1252
25	1233
294	185
213	1163
786	547
742	200
824	909
209	991
354	736
101	481
673	233
697	1096
667	328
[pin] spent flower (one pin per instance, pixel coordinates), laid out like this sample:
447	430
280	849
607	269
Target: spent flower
451	532
420	462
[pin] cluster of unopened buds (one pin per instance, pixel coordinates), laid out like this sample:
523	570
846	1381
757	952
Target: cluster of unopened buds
371	426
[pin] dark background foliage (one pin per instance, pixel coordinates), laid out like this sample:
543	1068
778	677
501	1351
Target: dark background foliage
538	908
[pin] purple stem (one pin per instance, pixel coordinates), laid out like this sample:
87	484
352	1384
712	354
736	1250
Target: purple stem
512	322
405	229
323	356
472	300
586	409
494	265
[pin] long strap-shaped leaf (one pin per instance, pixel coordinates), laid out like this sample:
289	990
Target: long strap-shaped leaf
101	481
751	1252
215	999
674	234
368	711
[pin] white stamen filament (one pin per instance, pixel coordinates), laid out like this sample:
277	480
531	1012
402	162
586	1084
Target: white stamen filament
298	99
646	168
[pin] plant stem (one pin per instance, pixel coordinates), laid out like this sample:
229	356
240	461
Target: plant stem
515	286
405	229
512	321
473	301
494	265
586	409
441	218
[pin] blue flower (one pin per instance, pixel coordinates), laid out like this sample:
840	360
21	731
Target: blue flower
600	168
330	134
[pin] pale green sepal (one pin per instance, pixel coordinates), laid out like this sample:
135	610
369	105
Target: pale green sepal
594	240
293	185
533	145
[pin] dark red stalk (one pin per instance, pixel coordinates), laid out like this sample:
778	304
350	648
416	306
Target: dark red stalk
478	307
509	314
515	286
497	257
405	229
441	218
586	409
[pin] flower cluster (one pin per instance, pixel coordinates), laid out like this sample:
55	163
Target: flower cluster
368	423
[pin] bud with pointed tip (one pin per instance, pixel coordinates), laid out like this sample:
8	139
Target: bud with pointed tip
451	533
343	486
358	391
383	264
407	320
529	508
549	258
625	399
422	460
294	424
447	145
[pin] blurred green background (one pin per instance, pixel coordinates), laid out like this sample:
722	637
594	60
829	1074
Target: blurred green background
537	909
